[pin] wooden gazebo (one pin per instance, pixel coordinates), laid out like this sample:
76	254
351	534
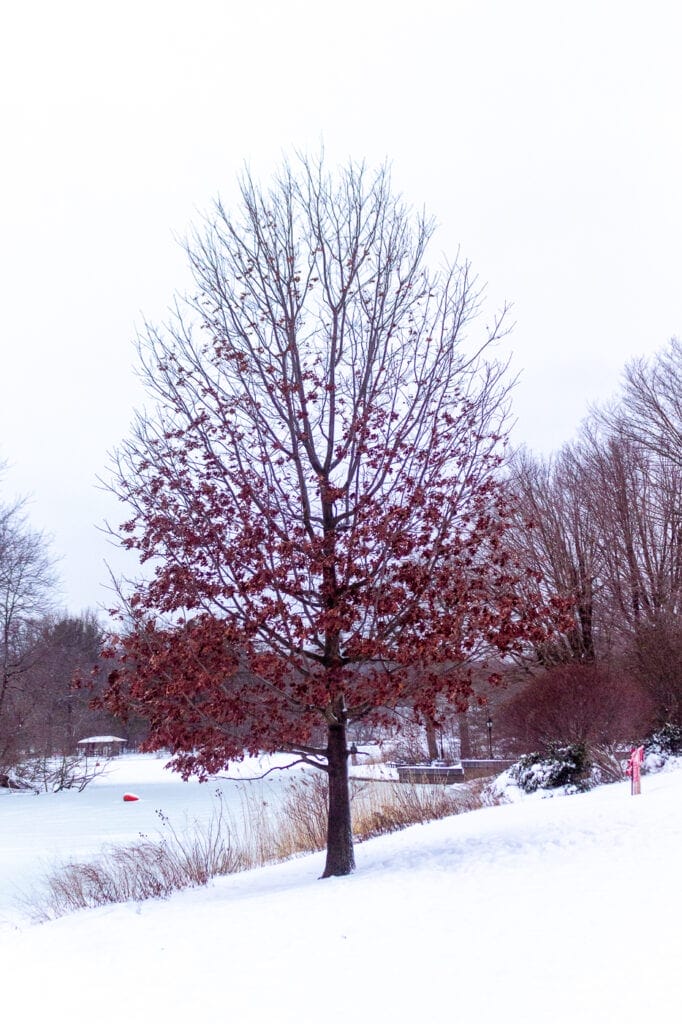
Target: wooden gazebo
102	746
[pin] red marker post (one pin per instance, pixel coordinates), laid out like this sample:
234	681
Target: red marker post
634	770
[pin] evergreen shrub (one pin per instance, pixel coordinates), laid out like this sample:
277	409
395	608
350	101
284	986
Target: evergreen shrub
667	740
558	767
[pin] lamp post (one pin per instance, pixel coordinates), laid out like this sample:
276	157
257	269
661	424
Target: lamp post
489	724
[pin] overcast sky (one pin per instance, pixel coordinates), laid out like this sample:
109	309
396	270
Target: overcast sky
545	138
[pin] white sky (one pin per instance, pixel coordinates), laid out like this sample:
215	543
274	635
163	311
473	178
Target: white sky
545	137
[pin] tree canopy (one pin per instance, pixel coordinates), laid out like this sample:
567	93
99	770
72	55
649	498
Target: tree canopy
315	488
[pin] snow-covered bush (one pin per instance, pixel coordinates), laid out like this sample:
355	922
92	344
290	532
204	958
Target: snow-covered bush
567	768
666	740
661	746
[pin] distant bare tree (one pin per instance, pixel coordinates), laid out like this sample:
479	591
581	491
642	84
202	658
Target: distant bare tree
26	586
601	522
636	500
606	532
66	647
557	536
650	410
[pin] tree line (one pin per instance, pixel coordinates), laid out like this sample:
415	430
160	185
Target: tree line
606	515
42	651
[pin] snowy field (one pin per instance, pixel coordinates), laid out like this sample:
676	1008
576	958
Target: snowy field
543	912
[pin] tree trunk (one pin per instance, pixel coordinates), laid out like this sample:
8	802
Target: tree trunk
340	857
464	737
431	738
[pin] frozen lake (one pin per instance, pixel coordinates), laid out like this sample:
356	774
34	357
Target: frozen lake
39	831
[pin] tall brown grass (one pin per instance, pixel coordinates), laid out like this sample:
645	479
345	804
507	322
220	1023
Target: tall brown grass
181	859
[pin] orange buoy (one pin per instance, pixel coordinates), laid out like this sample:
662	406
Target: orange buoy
130	796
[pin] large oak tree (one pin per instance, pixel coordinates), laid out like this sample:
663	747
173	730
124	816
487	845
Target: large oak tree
315	486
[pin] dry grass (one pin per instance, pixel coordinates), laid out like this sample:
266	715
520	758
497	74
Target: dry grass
146	869
379	808
155	868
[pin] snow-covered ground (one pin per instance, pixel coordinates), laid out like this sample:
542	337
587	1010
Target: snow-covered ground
541	912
